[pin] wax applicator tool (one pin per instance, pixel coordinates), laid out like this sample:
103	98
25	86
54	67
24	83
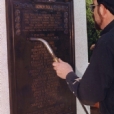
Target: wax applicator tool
47	46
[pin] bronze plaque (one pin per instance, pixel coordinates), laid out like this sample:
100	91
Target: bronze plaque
34	86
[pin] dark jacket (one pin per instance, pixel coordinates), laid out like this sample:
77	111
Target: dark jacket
97	83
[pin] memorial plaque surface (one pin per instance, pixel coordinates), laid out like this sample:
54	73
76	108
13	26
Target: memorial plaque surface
34	86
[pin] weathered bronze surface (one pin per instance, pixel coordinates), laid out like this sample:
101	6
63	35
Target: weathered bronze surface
34	86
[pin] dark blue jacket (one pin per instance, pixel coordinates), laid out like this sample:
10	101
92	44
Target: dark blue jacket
97	83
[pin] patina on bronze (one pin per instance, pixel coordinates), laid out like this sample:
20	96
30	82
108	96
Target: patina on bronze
34	86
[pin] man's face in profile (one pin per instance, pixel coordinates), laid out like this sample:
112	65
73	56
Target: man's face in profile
97	17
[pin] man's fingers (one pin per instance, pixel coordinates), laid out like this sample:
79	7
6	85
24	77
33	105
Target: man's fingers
60	60
57	63
54	63
55	68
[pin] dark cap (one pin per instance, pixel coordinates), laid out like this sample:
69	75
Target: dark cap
109	4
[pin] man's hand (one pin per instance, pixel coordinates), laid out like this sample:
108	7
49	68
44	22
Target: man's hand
62	68
92	47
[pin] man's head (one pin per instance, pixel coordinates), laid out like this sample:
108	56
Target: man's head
103	12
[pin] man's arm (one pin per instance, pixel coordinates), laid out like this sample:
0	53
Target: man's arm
97	78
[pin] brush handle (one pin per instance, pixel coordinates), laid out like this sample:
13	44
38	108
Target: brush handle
55	59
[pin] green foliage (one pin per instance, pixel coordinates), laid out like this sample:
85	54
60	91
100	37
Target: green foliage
92	33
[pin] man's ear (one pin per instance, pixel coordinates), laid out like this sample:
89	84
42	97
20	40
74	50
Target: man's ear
102	10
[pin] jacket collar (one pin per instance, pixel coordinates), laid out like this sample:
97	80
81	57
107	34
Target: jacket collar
107	28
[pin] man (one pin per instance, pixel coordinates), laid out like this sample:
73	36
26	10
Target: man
97	83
